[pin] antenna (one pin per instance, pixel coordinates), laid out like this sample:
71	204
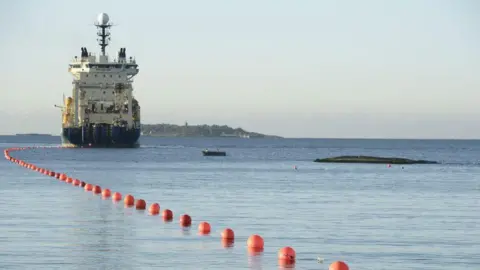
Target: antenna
103	30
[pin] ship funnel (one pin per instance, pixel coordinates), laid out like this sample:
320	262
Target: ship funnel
122	54
84	52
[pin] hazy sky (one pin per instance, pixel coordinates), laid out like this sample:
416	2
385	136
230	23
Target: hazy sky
407	68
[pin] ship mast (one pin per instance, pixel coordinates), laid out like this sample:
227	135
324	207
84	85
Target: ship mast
103	31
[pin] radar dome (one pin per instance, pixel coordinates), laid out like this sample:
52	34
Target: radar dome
103	18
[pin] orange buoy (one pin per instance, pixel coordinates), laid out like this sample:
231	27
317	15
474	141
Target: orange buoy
106	193
69	180
57	175
63	177
140	204
88	187
287	254
167	215
116	196
82	184
204	228
228	234
129	200
338	265
51	174
255	241
154	209
76	182
96	189
185	221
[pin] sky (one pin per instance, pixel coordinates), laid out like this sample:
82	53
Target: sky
305	69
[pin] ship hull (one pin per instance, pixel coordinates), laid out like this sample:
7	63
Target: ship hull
101	137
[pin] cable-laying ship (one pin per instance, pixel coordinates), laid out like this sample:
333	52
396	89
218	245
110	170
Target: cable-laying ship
102	111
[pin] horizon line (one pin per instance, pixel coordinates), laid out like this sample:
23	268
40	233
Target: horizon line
27	134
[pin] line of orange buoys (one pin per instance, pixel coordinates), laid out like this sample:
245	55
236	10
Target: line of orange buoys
255	243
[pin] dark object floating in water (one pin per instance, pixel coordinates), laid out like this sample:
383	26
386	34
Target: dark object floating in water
213	153
369	159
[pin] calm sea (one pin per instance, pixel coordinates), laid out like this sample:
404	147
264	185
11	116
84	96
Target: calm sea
370	216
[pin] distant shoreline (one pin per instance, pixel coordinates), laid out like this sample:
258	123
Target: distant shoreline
33	134
204	131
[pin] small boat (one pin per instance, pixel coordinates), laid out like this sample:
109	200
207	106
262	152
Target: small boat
217	153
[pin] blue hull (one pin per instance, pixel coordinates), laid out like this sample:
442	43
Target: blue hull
101	136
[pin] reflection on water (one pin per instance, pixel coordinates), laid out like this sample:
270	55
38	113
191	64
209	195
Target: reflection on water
228	243
255	260
101	231
284	267
186	230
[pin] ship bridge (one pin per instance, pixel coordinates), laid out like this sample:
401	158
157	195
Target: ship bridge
89	65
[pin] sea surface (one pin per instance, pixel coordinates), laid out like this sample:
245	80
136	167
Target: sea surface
370	216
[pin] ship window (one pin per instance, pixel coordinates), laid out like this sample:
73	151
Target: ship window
104	92
95	75
104	75
101	105
119	76
87	75
110	75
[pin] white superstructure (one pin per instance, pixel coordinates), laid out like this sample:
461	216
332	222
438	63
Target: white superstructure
102	91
